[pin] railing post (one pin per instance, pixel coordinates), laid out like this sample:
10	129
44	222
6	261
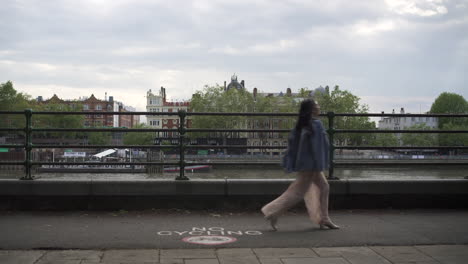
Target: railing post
331	133
182	115
28	145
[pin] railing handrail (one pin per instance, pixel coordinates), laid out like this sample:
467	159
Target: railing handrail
182	115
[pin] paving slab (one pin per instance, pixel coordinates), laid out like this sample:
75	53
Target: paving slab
187	253
361	255
131	255
284	252
70	256
171	261
314	261
271	261
402	254
20	256
201	261
237	256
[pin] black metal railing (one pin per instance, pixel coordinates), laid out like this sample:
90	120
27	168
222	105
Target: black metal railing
28	146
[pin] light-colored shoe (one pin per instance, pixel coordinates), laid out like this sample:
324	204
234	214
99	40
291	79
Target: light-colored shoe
329	224
273	221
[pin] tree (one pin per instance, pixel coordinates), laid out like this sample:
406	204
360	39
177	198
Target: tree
99	138
57	121
450	103
384	140
419	140
343	101
141	138
215	99
454	139
11	100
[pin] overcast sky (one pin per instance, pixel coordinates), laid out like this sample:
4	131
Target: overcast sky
391	53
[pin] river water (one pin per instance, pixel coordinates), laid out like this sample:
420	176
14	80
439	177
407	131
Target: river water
272	172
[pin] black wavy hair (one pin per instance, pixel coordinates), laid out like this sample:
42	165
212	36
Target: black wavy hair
305	114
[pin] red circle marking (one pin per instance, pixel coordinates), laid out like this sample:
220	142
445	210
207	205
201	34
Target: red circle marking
209	240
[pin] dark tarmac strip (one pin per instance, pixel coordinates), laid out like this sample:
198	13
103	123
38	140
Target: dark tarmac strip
179	229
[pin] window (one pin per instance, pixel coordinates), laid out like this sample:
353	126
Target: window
98	107
85	107
86	123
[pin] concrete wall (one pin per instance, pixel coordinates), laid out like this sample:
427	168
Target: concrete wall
223	193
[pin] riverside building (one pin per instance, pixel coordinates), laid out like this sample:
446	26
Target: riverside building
157	102
401	123
92	104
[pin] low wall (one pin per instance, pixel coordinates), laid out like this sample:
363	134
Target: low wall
223	193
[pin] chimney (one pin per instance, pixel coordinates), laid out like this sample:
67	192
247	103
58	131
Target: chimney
39	99
255	93
288	92
224	85
382	116
402	110
111	99
105	96
243	83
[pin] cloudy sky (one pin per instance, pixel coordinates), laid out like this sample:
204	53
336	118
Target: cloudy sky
391	53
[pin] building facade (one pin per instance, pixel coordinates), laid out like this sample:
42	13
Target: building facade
401	123
92	104
157	102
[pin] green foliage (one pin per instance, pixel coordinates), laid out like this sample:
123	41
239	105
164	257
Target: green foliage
343	101
99	138
140	138
450	103
215	99
421	140
11	100
58	121
384	140
454	139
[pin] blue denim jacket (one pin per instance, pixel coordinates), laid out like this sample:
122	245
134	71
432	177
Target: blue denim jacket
309	152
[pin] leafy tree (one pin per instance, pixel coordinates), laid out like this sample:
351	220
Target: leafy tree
422	140
140	138
99	138
58	121
452	103
215	99
384	140
11	100
343	101
454	139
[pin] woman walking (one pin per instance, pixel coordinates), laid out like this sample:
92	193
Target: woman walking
307	154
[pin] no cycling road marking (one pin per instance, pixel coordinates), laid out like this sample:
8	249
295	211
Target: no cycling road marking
210	235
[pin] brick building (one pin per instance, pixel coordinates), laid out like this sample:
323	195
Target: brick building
158	103
92	104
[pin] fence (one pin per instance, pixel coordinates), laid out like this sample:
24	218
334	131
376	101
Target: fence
182	146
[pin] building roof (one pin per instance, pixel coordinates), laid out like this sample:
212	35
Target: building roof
234	83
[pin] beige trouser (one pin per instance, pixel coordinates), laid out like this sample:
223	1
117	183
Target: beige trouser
312	186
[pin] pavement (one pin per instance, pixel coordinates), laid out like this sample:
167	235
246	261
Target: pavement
183	236
439	254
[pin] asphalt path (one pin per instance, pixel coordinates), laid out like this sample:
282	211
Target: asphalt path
178	228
